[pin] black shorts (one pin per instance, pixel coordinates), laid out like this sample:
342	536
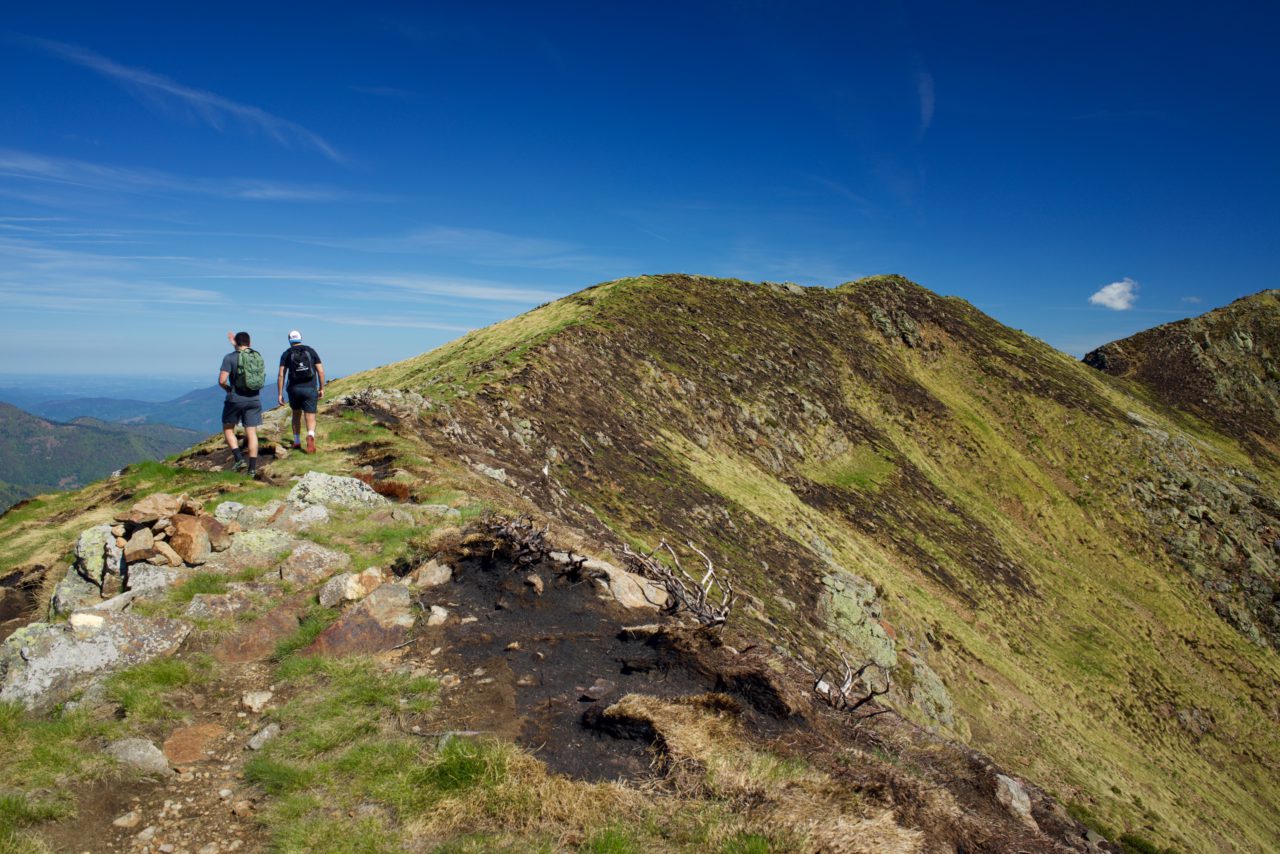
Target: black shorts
303	397
242	410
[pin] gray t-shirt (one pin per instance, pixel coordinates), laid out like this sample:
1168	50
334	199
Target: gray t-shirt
230	364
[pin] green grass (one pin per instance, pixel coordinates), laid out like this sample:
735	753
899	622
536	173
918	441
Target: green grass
864	469
19	811
748	843
612	840
337	748
142	690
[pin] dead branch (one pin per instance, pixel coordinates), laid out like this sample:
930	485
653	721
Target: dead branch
684	592
521	539
850	690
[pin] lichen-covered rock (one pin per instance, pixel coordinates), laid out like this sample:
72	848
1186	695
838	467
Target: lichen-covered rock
261	548
74	591
310	563
334	491
147	580
43	664
430	574
1013	797
851	608
228	511
929	694
97	554
299	517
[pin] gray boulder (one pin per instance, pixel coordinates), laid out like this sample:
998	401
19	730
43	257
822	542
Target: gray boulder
97	555
334	491
74	591
44	664
141	754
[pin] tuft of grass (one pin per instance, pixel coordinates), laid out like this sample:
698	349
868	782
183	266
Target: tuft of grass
611	840
142	690
197	583
747	843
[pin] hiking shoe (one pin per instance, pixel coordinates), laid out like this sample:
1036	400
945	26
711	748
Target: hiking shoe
297	446
239	465
311	444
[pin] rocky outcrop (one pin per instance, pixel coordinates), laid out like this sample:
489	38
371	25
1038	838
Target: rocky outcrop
380	621
44	664
333	491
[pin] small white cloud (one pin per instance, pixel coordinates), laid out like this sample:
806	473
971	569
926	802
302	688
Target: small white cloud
1192	300
1117	296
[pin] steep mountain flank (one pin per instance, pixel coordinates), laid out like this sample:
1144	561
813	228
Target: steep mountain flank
1068	590
891	472
1223	366
36	454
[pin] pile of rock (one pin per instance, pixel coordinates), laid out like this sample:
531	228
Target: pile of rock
170	530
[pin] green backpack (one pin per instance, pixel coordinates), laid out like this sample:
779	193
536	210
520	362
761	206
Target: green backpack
251	371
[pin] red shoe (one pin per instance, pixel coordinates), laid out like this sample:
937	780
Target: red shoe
297	445
311	444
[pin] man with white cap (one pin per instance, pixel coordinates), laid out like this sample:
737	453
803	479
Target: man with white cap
302	375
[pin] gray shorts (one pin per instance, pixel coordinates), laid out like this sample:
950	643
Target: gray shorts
303	397
242	410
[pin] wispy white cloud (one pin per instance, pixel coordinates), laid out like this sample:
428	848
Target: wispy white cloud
1117	296
213	109
925	93
1192	300
385	321
26	166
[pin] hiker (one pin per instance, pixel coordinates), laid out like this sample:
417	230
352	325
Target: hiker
301	369
242	375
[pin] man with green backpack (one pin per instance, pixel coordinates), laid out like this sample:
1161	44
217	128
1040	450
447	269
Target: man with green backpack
242	376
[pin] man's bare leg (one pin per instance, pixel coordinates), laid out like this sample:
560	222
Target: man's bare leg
297	426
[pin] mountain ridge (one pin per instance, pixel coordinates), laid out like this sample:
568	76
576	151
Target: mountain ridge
1054	570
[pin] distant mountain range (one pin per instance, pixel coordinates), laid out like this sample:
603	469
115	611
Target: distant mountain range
39	455
199	410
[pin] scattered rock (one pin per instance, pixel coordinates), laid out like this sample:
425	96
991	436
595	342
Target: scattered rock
430	574
1013	797
438	616
43	664
227	511
391	516
153	507
189	539
258	640
450	680
350	587
300	517
242	808
599	689
141	754
219	536
130	819
382	620
83	621
140	547
190	744
147	580
146	834
500	475
256	701
333	491
166	551
311	563
535	583
264	735
626	588
440	510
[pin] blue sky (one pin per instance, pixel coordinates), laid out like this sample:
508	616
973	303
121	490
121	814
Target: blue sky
389	176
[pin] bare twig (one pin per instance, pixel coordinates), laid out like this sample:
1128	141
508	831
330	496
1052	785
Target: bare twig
684	592
847	689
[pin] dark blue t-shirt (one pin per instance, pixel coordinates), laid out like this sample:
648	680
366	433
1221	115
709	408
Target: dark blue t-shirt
315	364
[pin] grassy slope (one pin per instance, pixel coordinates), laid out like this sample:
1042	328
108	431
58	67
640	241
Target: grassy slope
753	421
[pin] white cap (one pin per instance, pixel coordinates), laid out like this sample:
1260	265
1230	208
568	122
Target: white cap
295	335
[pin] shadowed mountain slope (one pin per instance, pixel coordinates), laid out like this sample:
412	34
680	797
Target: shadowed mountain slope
37	455
1054	571
1223	367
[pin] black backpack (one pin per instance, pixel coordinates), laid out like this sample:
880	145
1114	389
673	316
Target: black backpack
302	368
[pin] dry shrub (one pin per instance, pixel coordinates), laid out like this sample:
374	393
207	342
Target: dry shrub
393	489
446	540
